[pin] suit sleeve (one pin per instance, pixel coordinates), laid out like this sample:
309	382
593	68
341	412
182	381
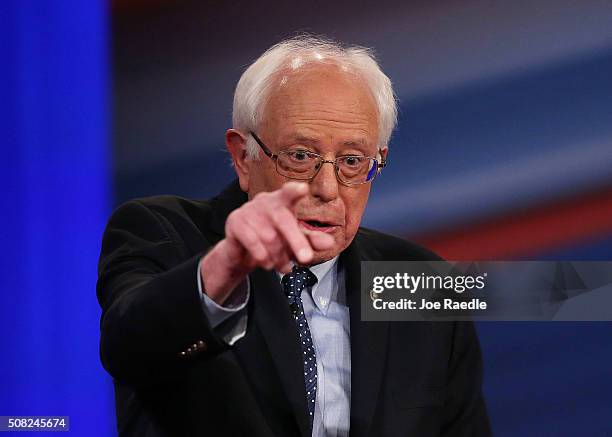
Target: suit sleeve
151	308
465	410
234	311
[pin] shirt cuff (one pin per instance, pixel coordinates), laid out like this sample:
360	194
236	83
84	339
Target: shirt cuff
237	301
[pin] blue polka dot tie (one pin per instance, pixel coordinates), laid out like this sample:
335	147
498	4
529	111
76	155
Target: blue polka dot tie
293	284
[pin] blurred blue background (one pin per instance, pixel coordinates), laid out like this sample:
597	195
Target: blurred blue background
57	195
504	151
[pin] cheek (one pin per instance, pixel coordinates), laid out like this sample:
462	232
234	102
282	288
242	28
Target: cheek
355	203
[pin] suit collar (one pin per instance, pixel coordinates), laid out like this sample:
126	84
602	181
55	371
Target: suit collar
231	198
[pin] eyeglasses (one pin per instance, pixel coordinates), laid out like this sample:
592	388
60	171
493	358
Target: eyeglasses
304	165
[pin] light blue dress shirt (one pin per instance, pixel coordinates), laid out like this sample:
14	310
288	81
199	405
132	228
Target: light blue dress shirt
328	318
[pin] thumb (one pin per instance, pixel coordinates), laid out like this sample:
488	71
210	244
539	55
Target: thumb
319	240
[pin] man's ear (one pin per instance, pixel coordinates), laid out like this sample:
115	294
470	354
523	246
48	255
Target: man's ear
384	153
236	146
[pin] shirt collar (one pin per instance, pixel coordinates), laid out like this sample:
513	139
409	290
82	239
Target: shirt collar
326	288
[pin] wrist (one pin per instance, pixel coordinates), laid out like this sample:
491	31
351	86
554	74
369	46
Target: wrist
219	277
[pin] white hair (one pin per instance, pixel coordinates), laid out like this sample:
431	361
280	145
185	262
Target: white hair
252	90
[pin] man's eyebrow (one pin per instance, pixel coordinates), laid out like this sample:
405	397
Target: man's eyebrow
304	139
359	144
313	140
352	143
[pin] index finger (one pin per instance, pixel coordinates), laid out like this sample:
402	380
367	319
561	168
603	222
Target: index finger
291	192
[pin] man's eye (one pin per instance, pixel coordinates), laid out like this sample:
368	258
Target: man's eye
299	155
352	161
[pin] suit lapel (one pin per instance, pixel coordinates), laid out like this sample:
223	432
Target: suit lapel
368	347
272	316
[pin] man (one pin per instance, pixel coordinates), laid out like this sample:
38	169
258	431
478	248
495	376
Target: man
241	315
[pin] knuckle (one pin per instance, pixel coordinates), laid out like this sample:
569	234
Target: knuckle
267	236
266	262
259	257
233	217
246	235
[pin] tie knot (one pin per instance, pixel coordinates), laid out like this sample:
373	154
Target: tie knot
297	280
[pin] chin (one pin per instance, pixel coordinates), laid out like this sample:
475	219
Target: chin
320	256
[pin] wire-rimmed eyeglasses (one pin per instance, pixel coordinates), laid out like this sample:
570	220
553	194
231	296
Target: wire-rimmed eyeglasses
304	165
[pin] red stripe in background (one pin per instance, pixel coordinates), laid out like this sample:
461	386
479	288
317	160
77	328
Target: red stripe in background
527	233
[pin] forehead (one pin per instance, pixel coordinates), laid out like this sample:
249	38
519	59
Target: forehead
324	103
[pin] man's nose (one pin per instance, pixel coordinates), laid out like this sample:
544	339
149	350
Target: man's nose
324	185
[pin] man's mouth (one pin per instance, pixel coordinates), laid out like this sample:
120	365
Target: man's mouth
317	225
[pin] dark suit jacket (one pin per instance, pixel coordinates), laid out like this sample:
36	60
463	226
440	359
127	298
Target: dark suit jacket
407	379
